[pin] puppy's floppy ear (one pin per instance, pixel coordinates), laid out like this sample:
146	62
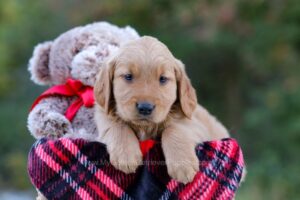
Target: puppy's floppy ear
186	93
39	64
103	86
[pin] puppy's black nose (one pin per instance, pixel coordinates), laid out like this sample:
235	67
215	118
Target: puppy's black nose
145	108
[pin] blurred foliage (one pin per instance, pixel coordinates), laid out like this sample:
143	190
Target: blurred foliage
242	56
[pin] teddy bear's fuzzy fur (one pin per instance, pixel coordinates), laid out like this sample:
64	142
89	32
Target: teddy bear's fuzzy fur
78	54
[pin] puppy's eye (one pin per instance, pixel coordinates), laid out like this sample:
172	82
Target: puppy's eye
163	79
128	77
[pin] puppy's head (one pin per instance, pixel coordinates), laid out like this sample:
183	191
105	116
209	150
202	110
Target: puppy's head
143	81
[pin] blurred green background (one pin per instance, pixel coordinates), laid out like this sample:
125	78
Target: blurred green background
242	56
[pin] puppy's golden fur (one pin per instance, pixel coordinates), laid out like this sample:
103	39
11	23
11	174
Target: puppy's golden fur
177	118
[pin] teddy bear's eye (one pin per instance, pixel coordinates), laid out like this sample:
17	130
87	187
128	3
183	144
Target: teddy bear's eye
163	80
128	77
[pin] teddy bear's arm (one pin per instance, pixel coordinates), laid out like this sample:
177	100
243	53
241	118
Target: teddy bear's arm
47	118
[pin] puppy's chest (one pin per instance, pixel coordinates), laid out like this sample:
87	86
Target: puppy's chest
145	133
142	135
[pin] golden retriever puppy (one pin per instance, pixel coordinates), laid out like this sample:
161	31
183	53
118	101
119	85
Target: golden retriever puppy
143	92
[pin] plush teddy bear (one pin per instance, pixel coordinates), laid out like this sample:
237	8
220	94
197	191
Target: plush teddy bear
70	64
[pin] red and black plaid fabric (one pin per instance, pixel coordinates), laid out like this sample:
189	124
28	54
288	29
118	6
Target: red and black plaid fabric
77	169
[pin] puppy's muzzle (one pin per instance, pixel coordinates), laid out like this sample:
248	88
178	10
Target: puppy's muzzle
145	108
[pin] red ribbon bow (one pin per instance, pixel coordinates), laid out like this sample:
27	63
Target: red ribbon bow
85	96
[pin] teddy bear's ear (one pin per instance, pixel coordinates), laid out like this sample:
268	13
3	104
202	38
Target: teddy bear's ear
39	64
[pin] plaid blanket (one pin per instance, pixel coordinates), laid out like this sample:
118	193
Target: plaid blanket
77	169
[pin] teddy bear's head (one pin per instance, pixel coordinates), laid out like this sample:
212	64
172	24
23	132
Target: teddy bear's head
78	53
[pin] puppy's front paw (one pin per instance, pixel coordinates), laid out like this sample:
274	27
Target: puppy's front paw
183	169
126	160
